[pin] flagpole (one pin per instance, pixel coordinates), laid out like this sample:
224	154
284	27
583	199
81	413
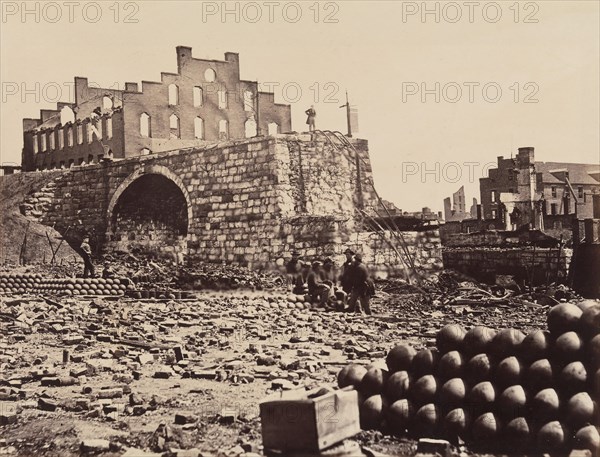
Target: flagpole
348	116
347	106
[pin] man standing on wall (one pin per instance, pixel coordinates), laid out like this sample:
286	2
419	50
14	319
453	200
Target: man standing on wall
361	290
310	120
86	254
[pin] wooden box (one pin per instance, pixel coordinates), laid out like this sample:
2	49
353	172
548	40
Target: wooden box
308	421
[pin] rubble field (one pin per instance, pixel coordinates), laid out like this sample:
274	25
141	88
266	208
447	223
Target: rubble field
119	376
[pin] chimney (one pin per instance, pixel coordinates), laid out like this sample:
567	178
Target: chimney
525	157
184	54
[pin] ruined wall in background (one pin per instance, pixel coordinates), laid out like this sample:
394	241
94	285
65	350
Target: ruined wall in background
526	264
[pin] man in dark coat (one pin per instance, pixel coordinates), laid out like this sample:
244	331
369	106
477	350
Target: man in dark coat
346	276
360	288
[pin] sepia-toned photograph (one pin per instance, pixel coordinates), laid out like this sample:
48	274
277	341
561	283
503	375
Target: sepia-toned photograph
300	228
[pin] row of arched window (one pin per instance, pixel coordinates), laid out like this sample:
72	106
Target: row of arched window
55	139
198	97
175	130
250	127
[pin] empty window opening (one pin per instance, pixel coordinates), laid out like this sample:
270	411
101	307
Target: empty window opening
107	102
250	128
70	137
66	115
89	128
34	139
173	94
174	126
198	96
52	139
199	128
43	142
273	128
210	75
223	129
80	134
248	100
553	190
109	132
61	139
553	208
145	125
151	213
96	126
580	192
222	95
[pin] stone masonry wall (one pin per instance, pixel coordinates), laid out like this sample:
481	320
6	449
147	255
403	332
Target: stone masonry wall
249	202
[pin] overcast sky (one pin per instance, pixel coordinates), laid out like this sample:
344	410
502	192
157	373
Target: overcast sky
440	93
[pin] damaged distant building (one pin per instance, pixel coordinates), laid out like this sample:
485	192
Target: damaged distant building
531	214
205	101
455	209
521	192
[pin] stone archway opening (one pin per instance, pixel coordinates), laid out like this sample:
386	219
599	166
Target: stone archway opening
150	217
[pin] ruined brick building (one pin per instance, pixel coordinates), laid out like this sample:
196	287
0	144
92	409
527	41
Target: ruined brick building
455	209
539	191
205	168
205	101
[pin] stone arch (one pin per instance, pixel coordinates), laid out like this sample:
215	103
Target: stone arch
147	170
150	212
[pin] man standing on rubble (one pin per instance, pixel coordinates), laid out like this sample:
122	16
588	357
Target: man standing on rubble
347	267
86	254
361	290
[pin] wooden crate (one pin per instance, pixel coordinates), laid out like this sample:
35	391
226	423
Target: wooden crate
302	421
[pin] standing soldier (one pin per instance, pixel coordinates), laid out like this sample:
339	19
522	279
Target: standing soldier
310	120
86	254
346	276
361	287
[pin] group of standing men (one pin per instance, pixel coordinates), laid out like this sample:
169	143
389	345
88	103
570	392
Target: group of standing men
321	281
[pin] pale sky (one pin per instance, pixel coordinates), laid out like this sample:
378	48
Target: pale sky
384	53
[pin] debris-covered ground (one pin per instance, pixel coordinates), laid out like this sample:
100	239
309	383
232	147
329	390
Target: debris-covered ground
135	377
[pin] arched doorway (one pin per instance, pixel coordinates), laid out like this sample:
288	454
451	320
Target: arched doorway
150	215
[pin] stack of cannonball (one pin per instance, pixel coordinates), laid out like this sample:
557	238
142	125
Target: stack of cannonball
23	283
500	390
